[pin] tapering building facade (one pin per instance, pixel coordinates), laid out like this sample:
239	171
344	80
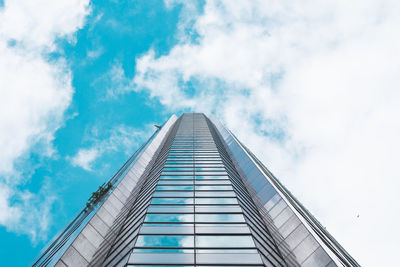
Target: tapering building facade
194	195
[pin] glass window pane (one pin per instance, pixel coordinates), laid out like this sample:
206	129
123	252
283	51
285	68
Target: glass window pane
207	161
175	182
165	241
224	241
206	169
214	187
218	209
160	187
170	209
172	156
215	194
212	182
179	165
179	162
173	194
165	250
181	152
211	173
169	218
247	250
177	173
228	259
219	217
185	169
209	164
216	201
222	229
167	229
172	201
163	177
162	258
201	177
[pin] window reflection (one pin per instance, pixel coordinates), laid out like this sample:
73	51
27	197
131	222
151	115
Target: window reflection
216	201
162	250
172	201
177	173
185	165
174	187
218	209
208	182
165	241
163	177
185	169
173	194
170	209
179	162
209	162
221	228
217	251
206	169
179	156
219	217
214	187
215	194
175	182
167	228
200	177
224	241
169	218
214	173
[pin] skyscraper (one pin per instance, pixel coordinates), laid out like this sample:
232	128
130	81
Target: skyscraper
194	195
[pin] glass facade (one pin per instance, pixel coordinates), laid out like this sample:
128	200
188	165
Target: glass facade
194	217
191	206
192	210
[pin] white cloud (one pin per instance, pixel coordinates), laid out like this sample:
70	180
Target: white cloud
85	157
37	23
116	80
8	215
24	212
312	88
95	53
120	138
35	92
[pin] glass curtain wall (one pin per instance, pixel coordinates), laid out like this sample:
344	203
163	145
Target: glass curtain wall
194	217
115	250
265	243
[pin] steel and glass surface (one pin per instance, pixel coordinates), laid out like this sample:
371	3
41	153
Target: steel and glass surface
198	197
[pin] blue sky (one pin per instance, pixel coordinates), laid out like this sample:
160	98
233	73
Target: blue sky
311	88
114	127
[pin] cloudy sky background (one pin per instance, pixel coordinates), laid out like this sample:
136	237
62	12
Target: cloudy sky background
311	87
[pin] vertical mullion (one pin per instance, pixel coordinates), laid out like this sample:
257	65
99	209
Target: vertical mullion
194	190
